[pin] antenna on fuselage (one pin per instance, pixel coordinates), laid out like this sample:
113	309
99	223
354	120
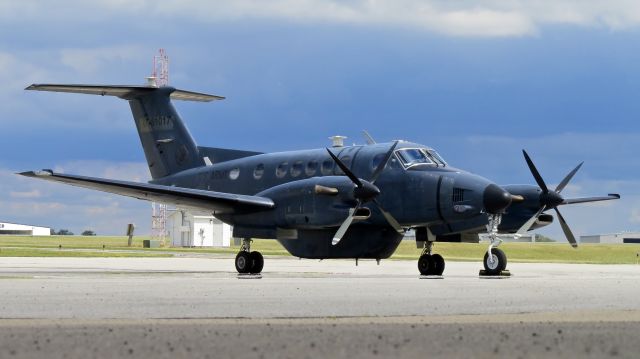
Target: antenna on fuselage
367	136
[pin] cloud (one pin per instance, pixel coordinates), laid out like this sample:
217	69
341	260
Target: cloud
55	205
453	18
554	155
126	171
91	60
27	194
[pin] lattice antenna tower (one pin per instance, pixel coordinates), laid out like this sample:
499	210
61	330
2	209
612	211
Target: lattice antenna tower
161	68
159	222
159	77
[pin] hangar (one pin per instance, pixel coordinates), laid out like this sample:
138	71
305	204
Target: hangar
15	229
612	238
197	230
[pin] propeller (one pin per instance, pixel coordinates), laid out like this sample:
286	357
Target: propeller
365	191
552	199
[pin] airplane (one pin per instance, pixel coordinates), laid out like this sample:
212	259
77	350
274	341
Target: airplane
339	202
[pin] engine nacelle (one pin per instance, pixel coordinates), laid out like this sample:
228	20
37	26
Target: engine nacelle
314	203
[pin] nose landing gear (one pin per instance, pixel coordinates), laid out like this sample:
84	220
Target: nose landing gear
495	261
247	261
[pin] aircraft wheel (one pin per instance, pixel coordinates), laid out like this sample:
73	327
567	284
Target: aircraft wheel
497	264
257	262
425	262
438	264
243	262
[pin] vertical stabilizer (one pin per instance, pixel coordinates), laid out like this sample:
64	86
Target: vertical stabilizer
168	145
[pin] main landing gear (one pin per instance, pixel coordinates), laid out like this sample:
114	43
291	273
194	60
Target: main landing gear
495	261
247	261
430	264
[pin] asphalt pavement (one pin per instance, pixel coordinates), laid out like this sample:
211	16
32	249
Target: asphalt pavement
139	307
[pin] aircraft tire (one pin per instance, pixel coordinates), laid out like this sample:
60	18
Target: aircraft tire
438	264
243	262
497	267
257	262
425	263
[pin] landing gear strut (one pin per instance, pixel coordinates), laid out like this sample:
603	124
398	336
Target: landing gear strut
247	261
495	261
430	264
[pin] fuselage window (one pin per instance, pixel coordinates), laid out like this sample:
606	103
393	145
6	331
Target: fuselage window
281	170
412	157
347	161
258	171
327	167
234	173
296	169
312	166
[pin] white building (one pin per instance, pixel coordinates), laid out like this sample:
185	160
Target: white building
612	238
14	229
197	230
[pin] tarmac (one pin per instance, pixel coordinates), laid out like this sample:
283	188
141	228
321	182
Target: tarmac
199	307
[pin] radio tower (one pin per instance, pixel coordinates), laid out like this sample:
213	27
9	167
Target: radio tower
159	77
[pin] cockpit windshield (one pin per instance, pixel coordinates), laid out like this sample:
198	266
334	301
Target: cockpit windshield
413	156
419	156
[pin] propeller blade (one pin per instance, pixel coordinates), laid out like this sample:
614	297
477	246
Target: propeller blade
392	221
591	199
383	163
527	225
344	226
567	230
568	178
535	173
344	169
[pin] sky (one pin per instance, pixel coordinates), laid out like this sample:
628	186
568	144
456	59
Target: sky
478	81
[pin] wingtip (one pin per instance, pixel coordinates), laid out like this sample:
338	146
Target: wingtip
614	195
45	172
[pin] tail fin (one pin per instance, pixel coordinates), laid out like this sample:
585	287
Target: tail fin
168	145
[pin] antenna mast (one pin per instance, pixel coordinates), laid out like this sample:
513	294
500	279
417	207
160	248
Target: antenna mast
160	71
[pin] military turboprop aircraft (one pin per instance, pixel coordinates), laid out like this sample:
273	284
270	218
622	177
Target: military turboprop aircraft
343	202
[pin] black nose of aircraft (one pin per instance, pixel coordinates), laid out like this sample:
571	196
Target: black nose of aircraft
495	199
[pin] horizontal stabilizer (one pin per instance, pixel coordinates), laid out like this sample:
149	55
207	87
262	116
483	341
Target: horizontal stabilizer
213	202
124	92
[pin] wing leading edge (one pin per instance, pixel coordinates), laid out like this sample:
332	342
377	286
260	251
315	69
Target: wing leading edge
216	202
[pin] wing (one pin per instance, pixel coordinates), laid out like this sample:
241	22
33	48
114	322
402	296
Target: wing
215	202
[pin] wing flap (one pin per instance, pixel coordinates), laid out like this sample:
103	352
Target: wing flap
215	202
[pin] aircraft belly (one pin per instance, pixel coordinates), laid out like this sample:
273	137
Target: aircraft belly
361	241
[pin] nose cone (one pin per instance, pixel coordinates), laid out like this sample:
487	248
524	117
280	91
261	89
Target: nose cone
495	199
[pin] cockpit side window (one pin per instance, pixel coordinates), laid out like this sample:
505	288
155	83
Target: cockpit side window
413	157
436	157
